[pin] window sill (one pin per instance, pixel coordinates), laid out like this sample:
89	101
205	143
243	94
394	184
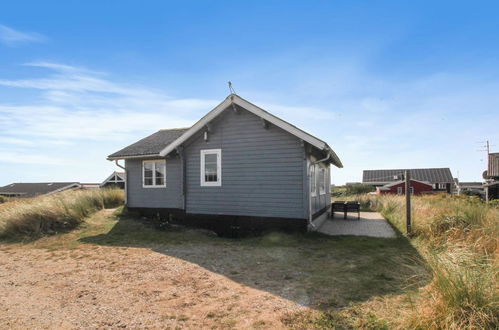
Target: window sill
147	187
211	185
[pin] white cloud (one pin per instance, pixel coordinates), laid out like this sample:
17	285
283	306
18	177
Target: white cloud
78	104
27	158
11	37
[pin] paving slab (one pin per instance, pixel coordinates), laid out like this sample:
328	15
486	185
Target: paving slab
370	224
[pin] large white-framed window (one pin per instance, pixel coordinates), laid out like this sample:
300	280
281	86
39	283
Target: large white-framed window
211	168
313	181
322	180
154	173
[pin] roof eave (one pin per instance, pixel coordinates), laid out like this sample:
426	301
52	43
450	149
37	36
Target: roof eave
111	158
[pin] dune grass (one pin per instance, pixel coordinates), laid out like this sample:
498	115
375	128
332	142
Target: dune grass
458	236
35	217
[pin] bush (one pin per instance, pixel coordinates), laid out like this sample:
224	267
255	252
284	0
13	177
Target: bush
59	212
359	189
352	190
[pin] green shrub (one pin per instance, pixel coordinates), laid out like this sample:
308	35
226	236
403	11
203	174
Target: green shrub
350	190
359	189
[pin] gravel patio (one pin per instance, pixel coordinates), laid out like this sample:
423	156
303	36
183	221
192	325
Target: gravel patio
371	224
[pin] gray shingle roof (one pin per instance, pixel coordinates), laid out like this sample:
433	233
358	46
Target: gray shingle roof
150	145
432	175
31	189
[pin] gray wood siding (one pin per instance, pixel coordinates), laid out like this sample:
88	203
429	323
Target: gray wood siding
262	170
167	197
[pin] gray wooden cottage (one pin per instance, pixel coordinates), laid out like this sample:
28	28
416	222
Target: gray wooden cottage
239	168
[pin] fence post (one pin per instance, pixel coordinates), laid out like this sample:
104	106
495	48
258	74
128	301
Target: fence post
407	176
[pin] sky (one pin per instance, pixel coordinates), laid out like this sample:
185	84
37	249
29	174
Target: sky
387	84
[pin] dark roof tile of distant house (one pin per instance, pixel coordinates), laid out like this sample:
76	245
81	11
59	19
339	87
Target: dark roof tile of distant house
25	189
470	184
431	175
150	145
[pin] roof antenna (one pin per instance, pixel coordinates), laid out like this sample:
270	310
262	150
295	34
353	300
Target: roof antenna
231	89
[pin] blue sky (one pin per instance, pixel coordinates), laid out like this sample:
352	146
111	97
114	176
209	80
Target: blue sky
387	84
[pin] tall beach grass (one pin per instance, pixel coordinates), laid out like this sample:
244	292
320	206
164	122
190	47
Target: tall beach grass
458	236
54	213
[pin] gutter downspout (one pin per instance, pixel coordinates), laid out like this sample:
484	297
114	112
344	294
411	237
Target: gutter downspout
310	188
126	178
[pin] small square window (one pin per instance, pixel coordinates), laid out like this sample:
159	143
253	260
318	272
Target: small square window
153	173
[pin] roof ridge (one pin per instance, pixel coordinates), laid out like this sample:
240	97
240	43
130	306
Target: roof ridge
419	168
173	129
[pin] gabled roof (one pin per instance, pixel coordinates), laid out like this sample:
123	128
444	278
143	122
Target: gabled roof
32	189
431	175
234	99
170	142
150	145
115	177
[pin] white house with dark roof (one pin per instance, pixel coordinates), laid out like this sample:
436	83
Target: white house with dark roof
238	169
116	179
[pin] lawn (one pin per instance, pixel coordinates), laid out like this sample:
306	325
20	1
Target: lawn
117	271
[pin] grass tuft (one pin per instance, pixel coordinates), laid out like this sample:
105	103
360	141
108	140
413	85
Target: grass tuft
35	217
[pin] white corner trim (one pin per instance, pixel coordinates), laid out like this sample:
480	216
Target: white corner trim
202	153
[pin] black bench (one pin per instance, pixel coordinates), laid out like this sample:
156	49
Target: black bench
345	207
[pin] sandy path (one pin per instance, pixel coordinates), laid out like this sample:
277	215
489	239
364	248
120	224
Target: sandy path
113	287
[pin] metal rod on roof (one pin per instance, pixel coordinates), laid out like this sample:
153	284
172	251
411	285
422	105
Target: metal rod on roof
231	89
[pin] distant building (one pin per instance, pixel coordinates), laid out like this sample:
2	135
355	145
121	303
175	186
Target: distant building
491	176
440	179
116	179
476	187
33	189
398	187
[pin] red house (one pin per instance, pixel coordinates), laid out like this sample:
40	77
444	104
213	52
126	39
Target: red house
398	187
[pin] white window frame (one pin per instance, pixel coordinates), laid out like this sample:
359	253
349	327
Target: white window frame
399	190
313	181
322	183
154	162
442	186
203	153
411	190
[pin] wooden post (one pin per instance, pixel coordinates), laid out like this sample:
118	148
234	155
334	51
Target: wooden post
407	176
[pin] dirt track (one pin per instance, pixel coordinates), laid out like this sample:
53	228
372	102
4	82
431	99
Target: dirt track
112	287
